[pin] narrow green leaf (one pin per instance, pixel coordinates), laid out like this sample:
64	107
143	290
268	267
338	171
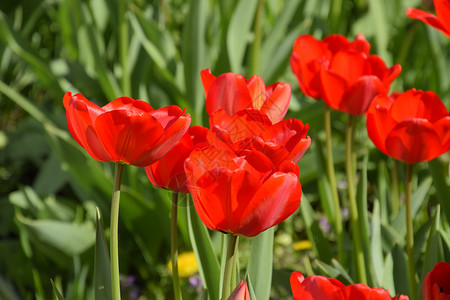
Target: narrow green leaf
251	291
204	252
102	266
56	292
333	272
376	257
434	252
440	182
260	264
193	55
400	270
321	245
238	35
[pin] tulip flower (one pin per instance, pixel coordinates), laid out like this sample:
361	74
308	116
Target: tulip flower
168	172
310	55
440	22
436	285
125	130
323	288
232	93
242	195
240	292
340	72
411	127
249	130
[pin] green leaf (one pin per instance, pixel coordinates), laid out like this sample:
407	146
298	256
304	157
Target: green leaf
70	238
321	245
56	292
204	252
251	291
434	252
440	182
239	30
260	264
102	269
376	246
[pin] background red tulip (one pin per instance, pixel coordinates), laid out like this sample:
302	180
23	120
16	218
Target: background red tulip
440	22
310	55
316	287
243	195
168	172
124	130
436	285
232	93
411	127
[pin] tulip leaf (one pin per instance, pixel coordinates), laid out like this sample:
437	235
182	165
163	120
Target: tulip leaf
400	269
334	272
434	251
251	291
206	259
438	171
102	266
375	245
260	265
56	292
239	30
321	246
418	198
193	55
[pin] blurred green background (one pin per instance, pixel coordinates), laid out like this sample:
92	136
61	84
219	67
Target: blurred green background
154	51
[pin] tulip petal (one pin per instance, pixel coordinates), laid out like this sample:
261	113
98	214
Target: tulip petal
379	69
275	200
127	137
81	114
357	99
171	135
443	12
277	103
128	104
428	18
224	195
418	104
413	141
362	291
379	121
229	92
350	65
257	90
314	287
442	128
207	80
333	88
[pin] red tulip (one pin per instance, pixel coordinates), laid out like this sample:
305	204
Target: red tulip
436	285
440	22
340	72
243	195
317	287
168	172
250	130
314	287
232	93
240	292
125	130
411	127
309	56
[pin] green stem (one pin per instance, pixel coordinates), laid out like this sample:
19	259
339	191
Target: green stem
114	232
333	186
174	247
354	218
255	50
229	266
123	49
335	15
410	233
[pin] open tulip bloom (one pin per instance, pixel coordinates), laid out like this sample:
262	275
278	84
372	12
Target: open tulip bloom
440	21
124	130
412	127
232	93
242	195
316	287
340	72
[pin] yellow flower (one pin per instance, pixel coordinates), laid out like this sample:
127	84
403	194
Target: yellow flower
302	245
187	264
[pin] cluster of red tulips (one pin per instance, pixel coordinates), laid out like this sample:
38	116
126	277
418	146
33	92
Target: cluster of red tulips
242	171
